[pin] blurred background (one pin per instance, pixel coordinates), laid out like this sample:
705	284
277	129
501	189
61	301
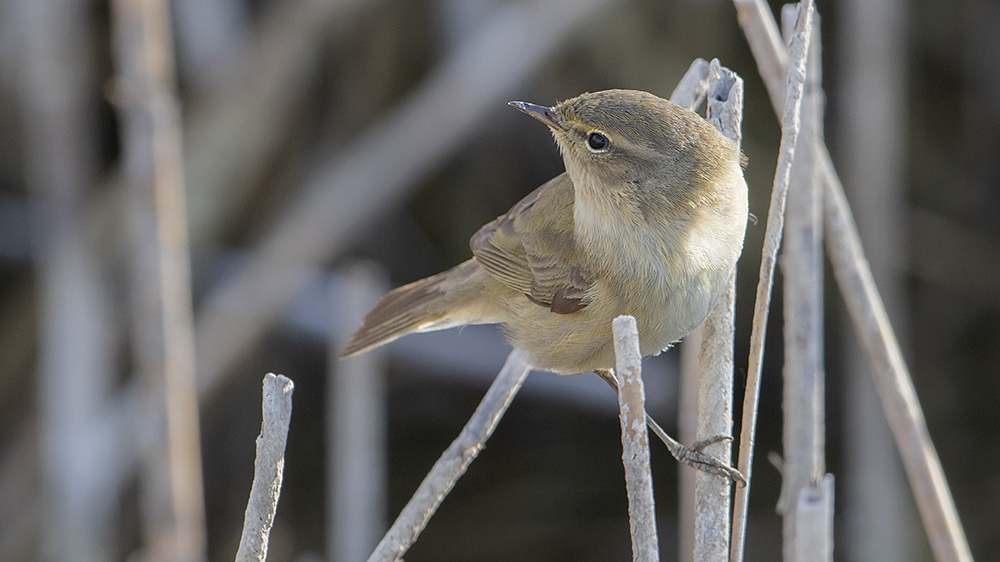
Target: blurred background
331	149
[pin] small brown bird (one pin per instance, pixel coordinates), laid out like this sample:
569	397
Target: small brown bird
647	220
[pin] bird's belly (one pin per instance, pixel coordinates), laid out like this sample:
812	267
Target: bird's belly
665	309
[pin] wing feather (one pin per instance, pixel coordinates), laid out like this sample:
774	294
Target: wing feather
532	249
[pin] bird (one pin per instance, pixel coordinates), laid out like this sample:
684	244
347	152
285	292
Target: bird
647	219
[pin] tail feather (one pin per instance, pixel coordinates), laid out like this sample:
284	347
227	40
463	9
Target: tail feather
433	303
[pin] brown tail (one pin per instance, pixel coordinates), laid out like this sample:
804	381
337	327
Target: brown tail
437	302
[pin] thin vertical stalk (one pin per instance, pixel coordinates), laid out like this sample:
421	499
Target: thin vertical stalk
715	382
164	341
687	427
715	417
802	268
75	360
356	424
772	238
268	468
635	441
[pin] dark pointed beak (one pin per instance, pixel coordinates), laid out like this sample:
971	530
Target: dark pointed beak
544	114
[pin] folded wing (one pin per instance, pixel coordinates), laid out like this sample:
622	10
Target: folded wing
532	249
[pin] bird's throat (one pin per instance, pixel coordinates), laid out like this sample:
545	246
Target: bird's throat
610	228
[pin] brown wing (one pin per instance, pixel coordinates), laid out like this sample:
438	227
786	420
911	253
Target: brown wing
531	249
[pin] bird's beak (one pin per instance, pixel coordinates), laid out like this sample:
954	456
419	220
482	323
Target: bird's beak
544	114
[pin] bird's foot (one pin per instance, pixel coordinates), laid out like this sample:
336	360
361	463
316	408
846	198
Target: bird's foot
694	457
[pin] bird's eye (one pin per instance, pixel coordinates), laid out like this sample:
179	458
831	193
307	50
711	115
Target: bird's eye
597	142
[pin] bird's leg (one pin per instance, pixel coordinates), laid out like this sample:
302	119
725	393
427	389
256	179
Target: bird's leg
691	456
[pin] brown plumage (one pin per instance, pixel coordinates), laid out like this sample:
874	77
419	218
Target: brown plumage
647	220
